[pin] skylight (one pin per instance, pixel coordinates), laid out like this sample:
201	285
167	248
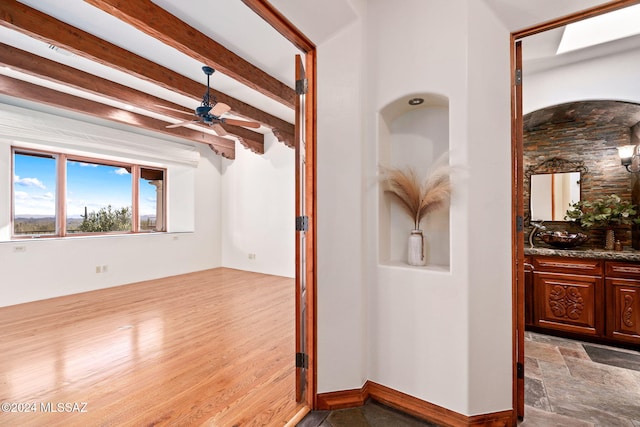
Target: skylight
601	29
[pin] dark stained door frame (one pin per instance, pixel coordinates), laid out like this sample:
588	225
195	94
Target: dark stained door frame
272	16
302	358
518	224
517	186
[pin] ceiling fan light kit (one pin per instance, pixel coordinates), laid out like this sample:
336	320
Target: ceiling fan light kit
210	111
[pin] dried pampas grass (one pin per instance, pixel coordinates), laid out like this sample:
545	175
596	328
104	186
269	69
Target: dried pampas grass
418	199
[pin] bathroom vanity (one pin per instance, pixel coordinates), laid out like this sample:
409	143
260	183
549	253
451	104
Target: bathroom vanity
590	293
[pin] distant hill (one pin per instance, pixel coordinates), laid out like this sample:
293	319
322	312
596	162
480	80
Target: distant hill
43	224
34	224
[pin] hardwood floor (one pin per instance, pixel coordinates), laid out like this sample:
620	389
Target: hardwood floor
212	348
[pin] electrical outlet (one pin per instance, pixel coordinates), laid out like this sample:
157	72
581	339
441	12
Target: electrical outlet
252	256
98	269
20	248
105	268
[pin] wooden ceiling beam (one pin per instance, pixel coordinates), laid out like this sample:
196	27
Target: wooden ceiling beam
277	125
280	23
29	21
162	25
25	90
253	141
287	138
37	66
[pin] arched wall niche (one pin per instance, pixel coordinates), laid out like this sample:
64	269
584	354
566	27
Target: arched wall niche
413	136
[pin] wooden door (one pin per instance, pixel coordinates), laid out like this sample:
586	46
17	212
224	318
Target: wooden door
302	226
306	131
518	233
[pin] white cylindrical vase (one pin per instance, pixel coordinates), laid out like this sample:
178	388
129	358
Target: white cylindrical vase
416	249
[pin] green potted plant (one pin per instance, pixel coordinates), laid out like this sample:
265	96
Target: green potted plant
607	212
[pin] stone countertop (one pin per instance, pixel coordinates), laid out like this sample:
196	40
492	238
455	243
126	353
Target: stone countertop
628	254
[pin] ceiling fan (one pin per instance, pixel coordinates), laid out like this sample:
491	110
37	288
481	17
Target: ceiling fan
210	111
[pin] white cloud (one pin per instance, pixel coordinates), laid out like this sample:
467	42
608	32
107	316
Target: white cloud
45	196
121	171
28	204
81	164
21	195
28	182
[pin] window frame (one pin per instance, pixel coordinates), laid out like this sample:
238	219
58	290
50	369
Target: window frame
163	199
61	160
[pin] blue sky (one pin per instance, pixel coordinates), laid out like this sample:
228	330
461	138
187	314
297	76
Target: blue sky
90	185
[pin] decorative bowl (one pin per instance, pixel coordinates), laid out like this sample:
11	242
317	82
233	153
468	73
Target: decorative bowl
563	239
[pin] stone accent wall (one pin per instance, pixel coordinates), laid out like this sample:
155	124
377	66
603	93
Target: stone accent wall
635	134
593	142
635	187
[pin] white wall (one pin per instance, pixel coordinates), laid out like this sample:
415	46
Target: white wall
219	211
258	209
412	348
489	213
341	286
444	337
613	77
52	267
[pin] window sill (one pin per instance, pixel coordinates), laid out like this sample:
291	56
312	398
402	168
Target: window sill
174	236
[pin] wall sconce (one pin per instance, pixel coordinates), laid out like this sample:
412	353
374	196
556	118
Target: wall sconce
627	154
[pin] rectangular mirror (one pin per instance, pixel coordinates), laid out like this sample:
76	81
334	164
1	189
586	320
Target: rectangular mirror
552	193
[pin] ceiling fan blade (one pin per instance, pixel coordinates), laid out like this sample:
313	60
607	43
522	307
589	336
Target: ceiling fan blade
190	113
244	123
219	129
177	125
219	109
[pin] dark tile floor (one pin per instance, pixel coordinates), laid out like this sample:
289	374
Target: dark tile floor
567	384
371	414
570	383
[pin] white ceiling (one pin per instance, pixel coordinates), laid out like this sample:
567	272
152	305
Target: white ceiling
235	26
230	23
520	14
224	21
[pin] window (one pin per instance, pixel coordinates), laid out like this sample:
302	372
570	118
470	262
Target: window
61	195
98	197
34	194
151	199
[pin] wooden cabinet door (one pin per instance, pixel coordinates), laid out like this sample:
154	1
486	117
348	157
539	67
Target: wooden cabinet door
529	298
569	303
622	270
555	264
623	309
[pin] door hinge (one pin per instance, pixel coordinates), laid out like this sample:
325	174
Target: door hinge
519	224
518	77
302	223
520	370
302	86
302	361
